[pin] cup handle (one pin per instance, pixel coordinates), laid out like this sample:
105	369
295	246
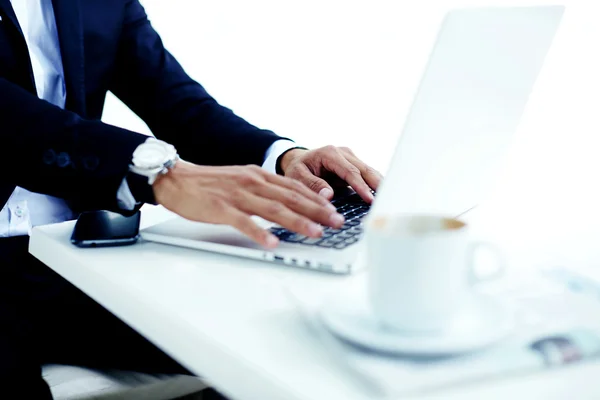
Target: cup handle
474	247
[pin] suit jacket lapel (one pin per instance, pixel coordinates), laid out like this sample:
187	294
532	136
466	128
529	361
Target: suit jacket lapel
11	18
10	13
70	35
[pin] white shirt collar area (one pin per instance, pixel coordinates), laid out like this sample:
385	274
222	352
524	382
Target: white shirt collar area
38	24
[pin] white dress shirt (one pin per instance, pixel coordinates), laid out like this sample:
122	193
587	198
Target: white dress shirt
25	209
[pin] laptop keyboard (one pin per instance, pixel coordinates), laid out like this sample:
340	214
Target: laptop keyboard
353	208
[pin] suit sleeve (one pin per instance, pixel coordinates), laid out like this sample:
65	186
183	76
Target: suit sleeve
176	108
52	151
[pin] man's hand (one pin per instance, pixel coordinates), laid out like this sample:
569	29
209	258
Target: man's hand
338	166
231	195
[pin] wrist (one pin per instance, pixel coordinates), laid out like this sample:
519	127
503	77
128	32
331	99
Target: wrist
180	168
165	184
287	157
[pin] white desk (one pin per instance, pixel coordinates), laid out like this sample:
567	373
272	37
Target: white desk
228	321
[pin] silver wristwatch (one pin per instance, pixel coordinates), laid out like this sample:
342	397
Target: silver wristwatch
153	158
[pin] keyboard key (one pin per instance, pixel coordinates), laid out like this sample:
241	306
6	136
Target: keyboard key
355	198
337	239
326	243
341	245
283	235
294	238
311	241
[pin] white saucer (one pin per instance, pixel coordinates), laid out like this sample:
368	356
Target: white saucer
481	323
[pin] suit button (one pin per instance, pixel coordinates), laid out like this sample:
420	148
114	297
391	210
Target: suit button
63	160
49	157
90	163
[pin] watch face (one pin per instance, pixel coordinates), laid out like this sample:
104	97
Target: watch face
153	153
152	156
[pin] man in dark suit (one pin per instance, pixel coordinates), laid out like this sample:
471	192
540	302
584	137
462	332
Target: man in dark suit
58	59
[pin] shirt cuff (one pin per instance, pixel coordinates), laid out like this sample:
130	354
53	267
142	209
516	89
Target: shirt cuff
125	198
274	151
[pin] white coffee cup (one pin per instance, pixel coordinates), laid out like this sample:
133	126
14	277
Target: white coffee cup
421	270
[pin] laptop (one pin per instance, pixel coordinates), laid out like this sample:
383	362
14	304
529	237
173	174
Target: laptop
474	90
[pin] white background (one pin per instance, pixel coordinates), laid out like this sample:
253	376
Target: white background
345	72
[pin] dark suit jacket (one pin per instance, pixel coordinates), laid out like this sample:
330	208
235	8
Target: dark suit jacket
106	45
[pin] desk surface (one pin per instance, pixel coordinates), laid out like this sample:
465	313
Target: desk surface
229	321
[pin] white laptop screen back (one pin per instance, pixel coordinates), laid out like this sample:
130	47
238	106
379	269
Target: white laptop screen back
471	98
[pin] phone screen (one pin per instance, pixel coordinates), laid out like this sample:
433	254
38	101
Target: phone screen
105	228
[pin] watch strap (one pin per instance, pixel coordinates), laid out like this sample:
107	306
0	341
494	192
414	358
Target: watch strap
140	189
153	174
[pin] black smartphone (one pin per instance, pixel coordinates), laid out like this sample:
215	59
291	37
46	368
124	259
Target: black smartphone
105	228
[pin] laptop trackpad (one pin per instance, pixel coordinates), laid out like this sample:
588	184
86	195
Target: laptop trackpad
198	231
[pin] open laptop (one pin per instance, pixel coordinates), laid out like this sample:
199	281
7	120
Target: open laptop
469	103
